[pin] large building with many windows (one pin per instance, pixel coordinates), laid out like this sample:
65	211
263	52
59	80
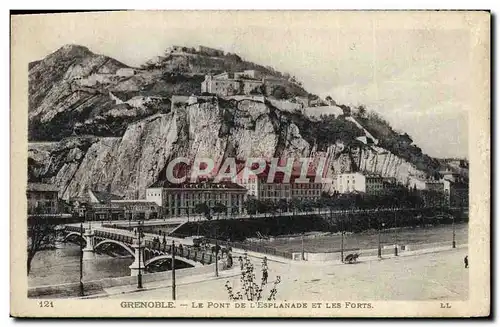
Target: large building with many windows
259	187
364	183
181	199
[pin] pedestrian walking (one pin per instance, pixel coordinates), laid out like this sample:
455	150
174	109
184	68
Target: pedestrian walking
264	277
241	262
466	261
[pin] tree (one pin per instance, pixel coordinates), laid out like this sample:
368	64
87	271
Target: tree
282	205
362	110
219	208
204	209
262	206
295	204
280	93
270	206
251	206
250	288
41	235
308	205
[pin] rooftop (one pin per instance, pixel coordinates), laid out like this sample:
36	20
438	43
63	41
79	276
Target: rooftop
128	201
202	184
295	172
104	197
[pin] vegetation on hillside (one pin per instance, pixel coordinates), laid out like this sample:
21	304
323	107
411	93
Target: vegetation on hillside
400	144
189	64
324	131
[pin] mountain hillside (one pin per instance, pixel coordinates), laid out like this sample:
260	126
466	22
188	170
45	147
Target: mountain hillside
96	123
76	92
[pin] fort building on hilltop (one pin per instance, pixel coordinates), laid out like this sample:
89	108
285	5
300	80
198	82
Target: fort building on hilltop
227	84
207	51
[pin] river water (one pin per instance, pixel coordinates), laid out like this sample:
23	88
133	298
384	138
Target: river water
62	265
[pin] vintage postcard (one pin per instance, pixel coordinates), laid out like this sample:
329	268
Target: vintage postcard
250	164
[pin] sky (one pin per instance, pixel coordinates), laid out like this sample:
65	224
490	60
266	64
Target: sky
413	70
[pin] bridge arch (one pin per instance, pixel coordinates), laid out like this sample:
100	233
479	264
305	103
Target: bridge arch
74	234
169	256
123	245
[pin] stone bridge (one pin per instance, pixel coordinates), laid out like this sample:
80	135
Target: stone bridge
144	254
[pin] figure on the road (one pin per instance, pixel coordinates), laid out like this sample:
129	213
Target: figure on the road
264	277
264	271
466	261
240	259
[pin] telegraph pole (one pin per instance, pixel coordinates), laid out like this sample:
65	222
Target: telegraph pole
216	254
173	270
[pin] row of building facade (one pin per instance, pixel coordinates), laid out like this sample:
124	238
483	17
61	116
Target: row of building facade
164	199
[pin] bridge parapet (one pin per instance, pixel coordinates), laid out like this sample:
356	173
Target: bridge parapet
77	229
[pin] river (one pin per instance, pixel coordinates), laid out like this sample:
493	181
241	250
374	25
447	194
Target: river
62	265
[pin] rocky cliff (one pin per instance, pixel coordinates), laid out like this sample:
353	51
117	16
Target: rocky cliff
213	128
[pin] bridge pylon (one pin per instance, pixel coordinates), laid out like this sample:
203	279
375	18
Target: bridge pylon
88	251
138	263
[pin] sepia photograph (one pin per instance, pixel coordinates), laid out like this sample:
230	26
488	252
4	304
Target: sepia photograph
250	163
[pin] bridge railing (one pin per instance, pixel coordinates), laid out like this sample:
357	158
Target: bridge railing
113	236
253	248
185	251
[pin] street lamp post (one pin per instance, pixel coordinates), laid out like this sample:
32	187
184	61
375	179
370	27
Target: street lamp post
81	259
139	235
173	270
342	246
379	245
342	232
453	243
395	235
302	251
